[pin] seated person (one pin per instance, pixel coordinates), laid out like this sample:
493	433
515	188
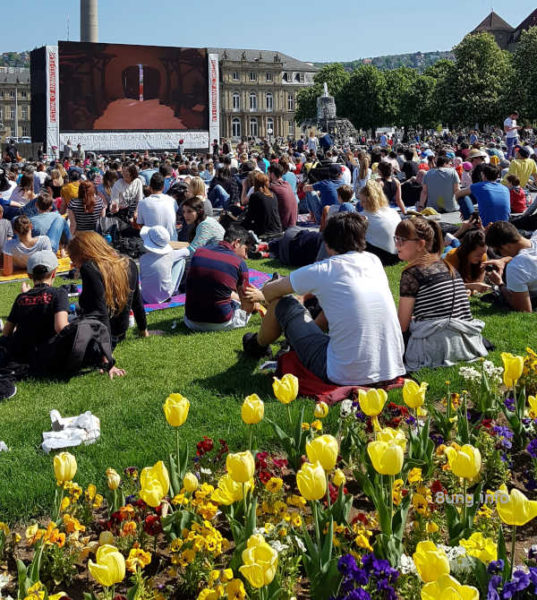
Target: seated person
381	223
6	231
344	204
158	208
85	211
434	310
299	247
262	215
49	222
516	273
364	344
469	260
517	195
161	267
19	249
38	314
216	282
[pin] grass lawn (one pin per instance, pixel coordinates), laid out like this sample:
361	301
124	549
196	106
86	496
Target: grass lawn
207	368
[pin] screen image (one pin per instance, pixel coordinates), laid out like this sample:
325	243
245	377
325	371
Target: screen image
111	87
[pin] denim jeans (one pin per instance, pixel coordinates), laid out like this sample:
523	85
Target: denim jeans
177	274
510	143
58	228
219	197
466	207
313	204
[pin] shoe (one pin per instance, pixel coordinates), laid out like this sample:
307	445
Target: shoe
275	276
257	254
252	348
254	237
7	387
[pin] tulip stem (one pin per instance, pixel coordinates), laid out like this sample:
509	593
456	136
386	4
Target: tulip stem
316	521
513	543
60	503
464	502
250	436
327	490
289	415
391	501
177	450
245	502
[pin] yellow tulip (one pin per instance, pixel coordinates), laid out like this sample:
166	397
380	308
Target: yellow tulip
393	436
113	479
260	562
229	491
512	368
481	547
372	402
514	508
323	449
252	410
321	410
64	467
532	401
465	462
339	478
311	481
110	566
286	388
430	561
240	466
447	587
387	457
154	483
190	483
414	394
106	537
176	409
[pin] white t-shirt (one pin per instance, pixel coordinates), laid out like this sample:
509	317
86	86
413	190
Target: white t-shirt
510	123
158	209
156	275
346	176
6	194
366	344
381	228
521	272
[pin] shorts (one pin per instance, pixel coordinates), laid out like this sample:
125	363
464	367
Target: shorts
306	338
239	319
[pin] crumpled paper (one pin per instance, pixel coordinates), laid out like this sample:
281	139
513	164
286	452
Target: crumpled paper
3	447
68	432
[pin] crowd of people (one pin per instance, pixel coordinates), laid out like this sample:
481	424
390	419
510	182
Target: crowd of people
140	229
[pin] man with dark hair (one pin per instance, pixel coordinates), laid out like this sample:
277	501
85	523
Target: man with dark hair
287	205
493	200
523	167
323	193
216	282
516	273
364	344
510	129
440	186
158	208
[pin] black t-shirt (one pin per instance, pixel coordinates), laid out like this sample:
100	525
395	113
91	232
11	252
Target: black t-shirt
410	169
33	314
262	215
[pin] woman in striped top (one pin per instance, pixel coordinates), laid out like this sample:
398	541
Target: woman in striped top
84	212
429	288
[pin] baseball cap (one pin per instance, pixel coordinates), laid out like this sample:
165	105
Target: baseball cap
156	239
43	258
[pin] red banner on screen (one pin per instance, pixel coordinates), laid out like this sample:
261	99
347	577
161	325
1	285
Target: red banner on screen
214	90
52	66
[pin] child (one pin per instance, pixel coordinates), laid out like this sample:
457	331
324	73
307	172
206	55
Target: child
517	194
466	178
345	195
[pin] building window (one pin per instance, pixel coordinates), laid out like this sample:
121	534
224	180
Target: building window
269	77
253	127
299	77
24	113
12	113
253	76
291	127
290	102
270	126
26	131
1	114
236	127
236	101
24	94
253	101
270	101
12	93
235	76
284	77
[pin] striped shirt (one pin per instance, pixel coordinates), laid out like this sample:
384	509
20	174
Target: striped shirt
438	295
86	221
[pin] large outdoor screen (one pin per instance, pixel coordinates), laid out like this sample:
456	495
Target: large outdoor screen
111	87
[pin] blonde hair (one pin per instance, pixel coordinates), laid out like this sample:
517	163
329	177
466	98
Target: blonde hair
90	246
56	176
196	187
372	196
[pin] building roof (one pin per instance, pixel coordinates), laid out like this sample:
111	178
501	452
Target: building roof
529	21
263	56
12	75
493	22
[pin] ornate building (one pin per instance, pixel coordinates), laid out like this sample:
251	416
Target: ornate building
505	35
258	92
14	102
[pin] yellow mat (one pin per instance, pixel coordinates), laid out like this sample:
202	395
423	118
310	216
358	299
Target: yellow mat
64	266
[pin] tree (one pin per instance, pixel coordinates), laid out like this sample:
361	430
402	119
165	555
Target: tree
477	81
362	99
399	84
417	105
522	92
335	77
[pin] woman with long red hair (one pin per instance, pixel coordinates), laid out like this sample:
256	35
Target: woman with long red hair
84	212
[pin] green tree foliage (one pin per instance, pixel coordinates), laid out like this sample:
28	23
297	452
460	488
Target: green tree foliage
399	85
522	90
417	106
363	100
335	77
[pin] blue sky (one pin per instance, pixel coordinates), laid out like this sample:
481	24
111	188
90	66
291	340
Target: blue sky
317	30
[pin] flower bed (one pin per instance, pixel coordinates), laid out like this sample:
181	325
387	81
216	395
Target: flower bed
368	500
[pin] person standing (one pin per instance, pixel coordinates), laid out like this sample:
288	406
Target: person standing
67	151
510	129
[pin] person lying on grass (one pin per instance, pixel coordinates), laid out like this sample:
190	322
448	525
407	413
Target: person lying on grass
364	343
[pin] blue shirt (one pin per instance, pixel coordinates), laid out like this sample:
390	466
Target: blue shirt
493	201
146	175
327	188
42	222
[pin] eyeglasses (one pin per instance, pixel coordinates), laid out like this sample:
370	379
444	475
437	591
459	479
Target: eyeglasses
401	240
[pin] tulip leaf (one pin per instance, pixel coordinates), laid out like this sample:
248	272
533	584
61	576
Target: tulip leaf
326	551
502	553
175	485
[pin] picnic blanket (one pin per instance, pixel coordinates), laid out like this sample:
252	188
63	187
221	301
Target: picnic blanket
331	393
64	266
257	279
